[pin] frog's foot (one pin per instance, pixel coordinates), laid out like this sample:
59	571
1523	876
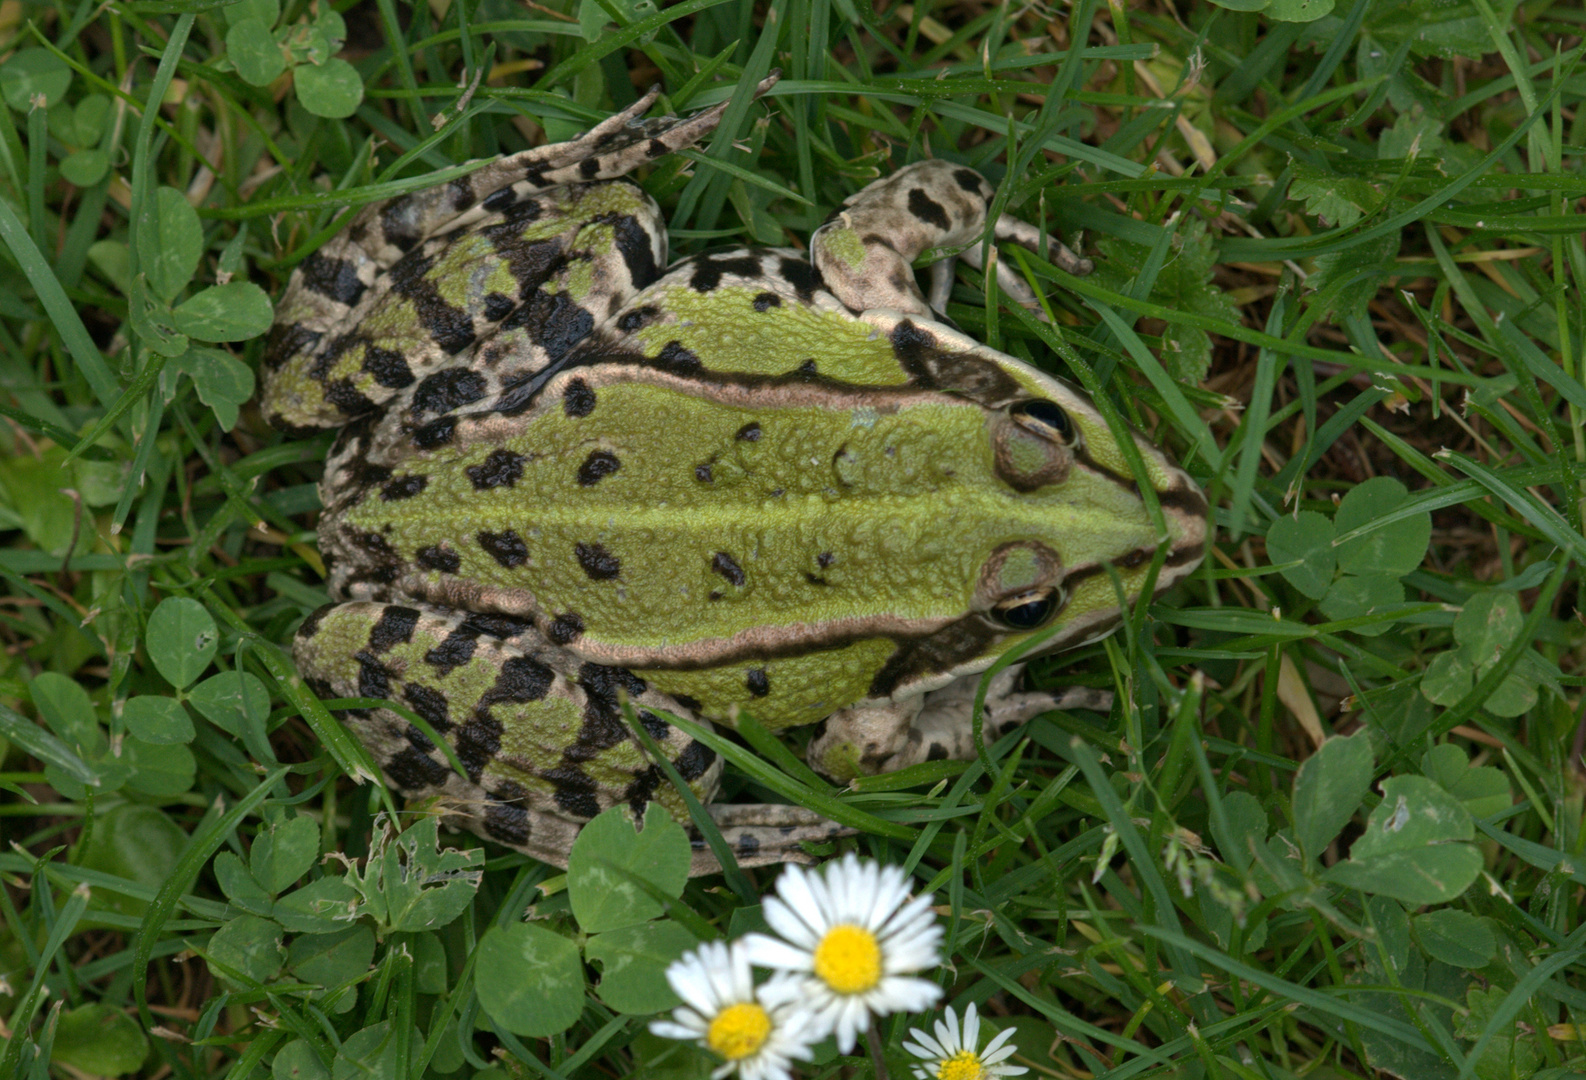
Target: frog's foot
866	740
761	834
865	252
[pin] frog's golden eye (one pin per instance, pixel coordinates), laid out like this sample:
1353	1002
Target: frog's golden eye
1046	418
1031	610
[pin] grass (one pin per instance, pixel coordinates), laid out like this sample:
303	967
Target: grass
1331	828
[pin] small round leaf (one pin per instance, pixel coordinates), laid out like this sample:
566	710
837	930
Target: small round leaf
85	168
1396	548
182	639
235	311
1306	538
609	859
529	980
157	719
332	91
31	73
100	1040
254	51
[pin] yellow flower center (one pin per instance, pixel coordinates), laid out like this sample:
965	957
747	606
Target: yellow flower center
964	1065
738	1031
848	960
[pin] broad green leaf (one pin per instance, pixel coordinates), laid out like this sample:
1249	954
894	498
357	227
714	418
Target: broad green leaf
223	382
332	90
100	1040
68	710
235	702
372	1054
529	979
171	249
158	770
85	168
253	50
182	639
633	963
235	311
28	74
1328	789
1456	937
1354	596
157	719
30	488
1483	790
324	906
609	854
332	959
1396	548
239	885
248	945
284	852
1489	625
134	842
1414	846
266	11
297	1061
1447	679
1299	11
1306	538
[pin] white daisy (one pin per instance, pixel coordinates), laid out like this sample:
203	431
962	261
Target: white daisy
757	1033
953	1054
853	935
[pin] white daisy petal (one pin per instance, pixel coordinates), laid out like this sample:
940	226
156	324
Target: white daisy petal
956	1053
768	952
759	1037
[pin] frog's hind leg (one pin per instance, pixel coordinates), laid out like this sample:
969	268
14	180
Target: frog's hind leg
762	834
865	253
540	735
533	243
870	739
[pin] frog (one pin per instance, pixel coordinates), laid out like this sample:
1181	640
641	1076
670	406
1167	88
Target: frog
586	502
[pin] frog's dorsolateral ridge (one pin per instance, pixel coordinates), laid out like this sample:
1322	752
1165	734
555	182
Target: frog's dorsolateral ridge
570	475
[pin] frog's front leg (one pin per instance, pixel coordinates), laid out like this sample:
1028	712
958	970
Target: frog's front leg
939	726
865	253
540	735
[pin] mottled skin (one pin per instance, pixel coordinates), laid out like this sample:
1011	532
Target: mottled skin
746	483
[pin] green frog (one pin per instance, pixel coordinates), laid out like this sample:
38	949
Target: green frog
572	476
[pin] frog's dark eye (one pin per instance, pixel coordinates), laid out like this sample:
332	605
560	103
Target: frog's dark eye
1028	611
1046	417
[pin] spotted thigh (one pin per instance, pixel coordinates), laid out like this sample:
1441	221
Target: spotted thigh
538	734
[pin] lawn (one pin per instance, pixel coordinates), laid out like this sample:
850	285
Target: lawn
1331	824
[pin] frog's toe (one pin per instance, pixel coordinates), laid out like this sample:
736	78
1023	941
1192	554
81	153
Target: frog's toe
761	834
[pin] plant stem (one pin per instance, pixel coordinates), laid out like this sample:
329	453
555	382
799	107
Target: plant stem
873	1040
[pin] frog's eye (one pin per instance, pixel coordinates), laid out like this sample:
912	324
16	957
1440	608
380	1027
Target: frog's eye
1029	611
1046	418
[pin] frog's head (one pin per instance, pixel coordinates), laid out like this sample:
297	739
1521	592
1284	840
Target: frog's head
1062	531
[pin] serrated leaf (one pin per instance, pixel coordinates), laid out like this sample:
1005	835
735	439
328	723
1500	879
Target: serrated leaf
410	883
1335	199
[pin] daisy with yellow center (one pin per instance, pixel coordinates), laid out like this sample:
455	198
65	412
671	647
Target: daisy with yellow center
955	1055
853	936
756	1033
